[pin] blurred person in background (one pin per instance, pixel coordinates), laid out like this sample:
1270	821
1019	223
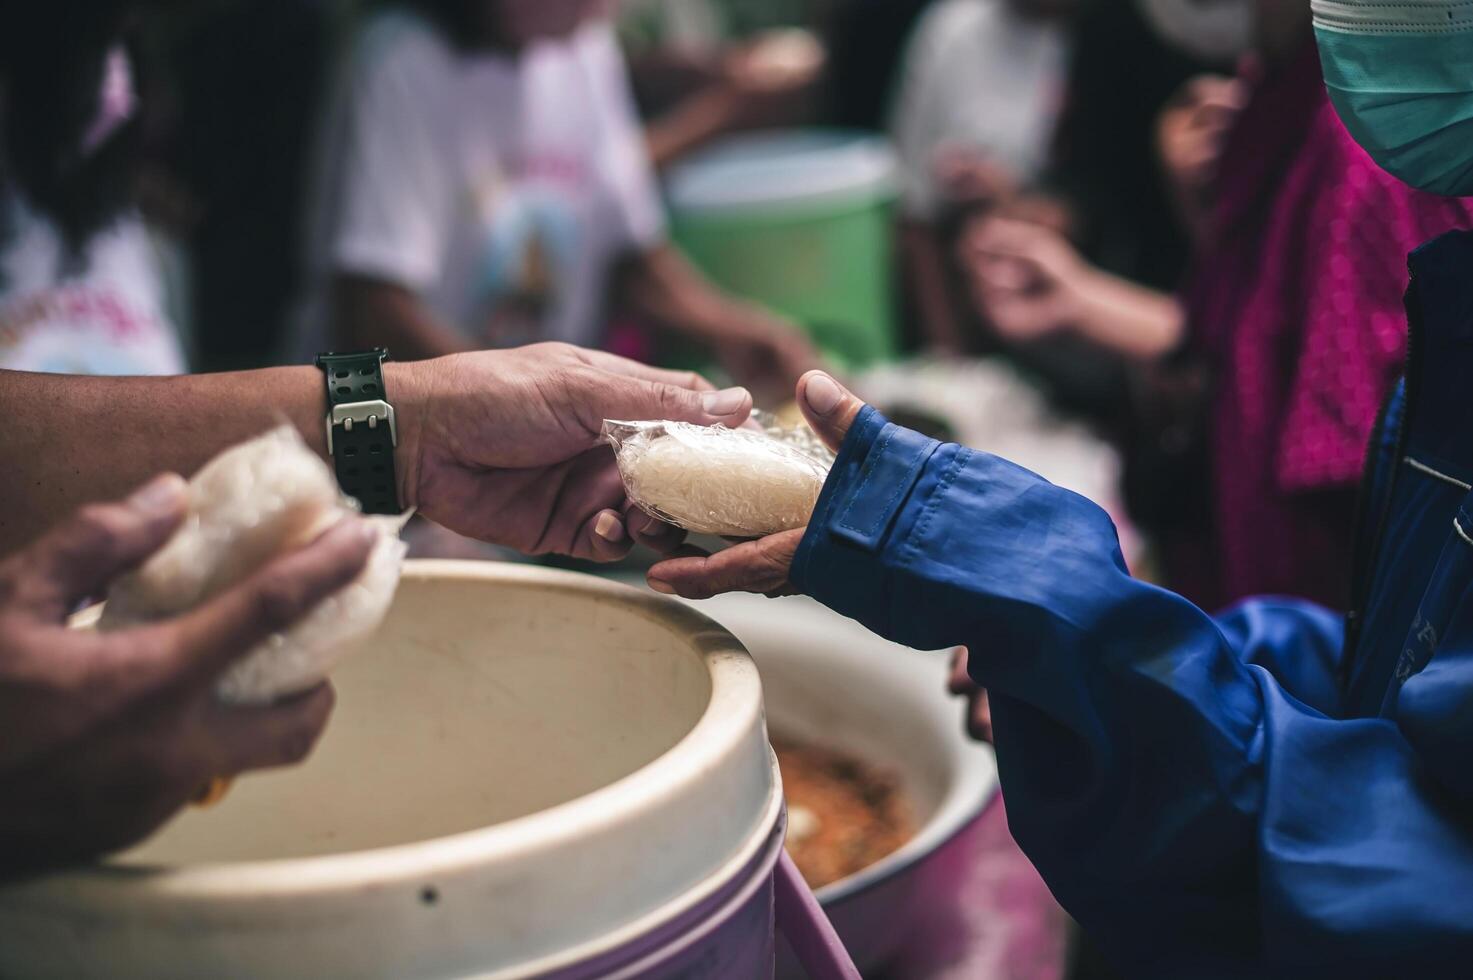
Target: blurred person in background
228	178
693	81
81	286
485	183
979	93
1104	163
1293	308
1063	138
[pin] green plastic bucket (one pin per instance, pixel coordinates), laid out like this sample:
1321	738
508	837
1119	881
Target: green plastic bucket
800	221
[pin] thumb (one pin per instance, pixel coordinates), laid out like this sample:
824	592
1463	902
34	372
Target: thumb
828	406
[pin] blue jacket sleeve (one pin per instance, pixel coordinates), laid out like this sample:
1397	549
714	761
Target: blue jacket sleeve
1297	642
1181	782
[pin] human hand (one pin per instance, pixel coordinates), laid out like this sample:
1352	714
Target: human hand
1191	132
1036	208
979	709
108	734
969	177
1026	279
504	446
763	76
761	565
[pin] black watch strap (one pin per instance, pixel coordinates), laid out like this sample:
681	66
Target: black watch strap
361	431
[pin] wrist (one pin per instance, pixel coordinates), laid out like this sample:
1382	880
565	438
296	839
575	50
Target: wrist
720	105
1084	298
407	385
718	319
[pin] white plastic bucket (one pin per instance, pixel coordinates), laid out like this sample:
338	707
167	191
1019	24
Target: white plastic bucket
529	773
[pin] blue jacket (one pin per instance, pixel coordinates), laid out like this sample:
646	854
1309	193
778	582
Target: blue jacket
1266	791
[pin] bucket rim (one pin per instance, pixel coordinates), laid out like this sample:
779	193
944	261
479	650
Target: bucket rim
732	712
712	182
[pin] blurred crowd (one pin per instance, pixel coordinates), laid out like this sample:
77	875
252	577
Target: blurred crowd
1148	207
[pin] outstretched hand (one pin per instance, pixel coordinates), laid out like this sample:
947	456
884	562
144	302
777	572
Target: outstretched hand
761	565
505	445
1026	279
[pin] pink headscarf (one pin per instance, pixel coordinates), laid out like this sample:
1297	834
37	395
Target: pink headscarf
1296	299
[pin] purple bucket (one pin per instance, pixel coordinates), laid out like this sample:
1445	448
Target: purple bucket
726	936
730	935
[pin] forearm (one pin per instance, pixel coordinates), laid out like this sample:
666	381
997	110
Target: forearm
73	440
1193	213
926	266
1134	320
689	124
372	313
662	285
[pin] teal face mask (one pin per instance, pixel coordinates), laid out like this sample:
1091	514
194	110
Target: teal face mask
1401	77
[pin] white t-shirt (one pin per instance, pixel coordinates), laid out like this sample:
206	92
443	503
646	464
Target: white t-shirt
101	312
976	73
499	189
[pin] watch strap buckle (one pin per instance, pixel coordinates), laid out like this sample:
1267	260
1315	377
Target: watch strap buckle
369	413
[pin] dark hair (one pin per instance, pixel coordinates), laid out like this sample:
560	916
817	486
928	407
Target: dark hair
52	59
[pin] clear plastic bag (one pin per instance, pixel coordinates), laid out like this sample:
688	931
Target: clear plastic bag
744	482
247	505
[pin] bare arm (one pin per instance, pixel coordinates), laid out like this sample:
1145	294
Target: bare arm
75	440
748	89
1028	281
662	285
500	445
760	349
925	265
1135	320
689	124
373	313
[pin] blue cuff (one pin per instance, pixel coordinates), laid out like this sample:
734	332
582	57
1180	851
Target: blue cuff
837	562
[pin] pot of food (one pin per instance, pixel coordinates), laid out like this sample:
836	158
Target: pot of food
529	773
882	782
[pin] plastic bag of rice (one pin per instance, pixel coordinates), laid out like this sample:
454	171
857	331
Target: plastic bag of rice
737	483
246	506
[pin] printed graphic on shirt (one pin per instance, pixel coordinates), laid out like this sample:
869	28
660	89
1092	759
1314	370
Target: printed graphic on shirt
83	329
532	243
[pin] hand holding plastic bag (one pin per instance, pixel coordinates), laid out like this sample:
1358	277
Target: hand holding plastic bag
762	565
740	483
253	502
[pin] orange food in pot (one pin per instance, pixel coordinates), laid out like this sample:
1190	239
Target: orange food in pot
844	814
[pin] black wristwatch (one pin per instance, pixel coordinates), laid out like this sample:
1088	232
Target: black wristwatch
361	434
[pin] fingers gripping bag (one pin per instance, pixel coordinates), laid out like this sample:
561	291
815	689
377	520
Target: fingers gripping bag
252	502
737	483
